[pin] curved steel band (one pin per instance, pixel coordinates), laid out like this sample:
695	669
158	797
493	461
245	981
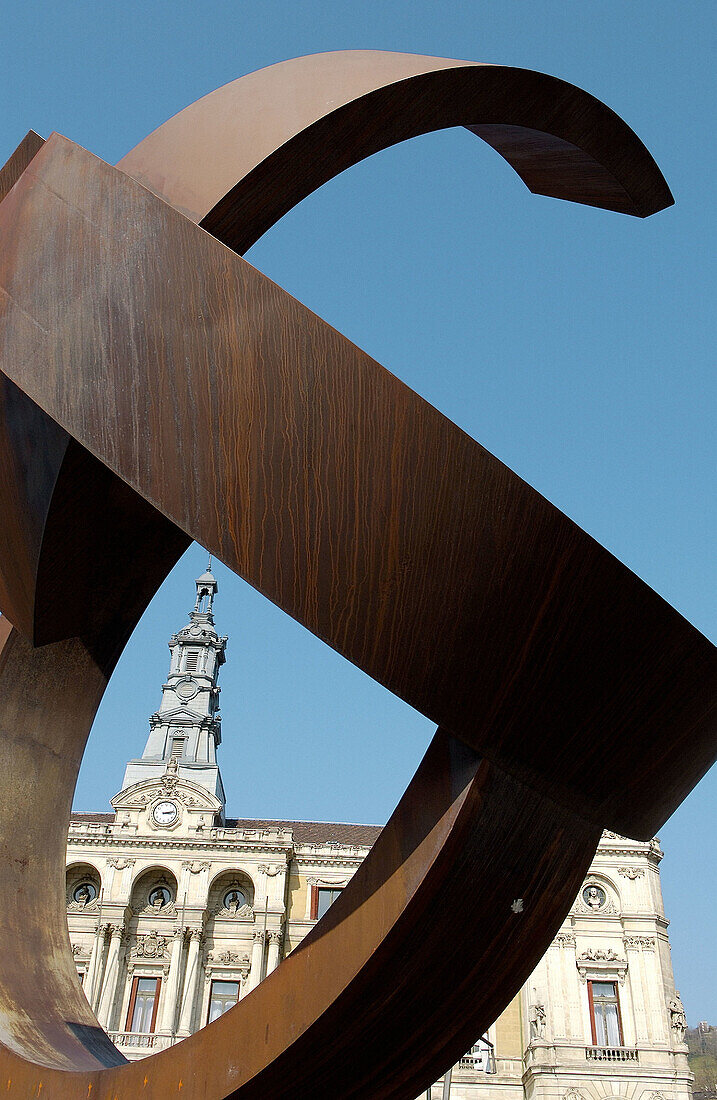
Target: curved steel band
157	388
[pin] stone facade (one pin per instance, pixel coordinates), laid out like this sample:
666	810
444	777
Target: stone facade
175	911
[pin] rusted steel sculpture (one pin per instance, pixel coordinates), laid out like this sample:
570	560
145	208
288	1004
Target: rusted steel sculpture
156	388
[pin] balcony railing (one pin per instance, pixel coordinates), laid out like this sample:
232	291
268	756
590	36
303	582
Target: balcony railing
141	1040
611	1054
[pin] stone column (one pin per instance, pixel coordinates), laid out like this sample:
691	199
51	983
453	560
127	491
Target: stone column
637	1028
109	986
94	965
272	961
171	988
191	982
257	959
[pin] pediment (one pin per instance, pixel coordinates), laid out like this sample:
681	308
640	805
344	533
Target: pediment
169	785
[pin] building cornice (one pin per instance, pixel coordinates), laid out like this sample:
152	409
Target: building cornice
306	864
175	844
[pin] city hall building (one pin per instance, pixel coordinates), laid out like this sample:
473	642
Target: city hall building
176	912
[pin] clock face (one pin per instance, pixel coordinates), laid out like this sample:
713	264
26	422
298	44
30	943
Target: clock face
165	813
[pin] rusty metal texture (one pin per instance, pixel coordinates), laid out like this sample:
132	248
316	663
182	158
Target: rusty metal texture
157	388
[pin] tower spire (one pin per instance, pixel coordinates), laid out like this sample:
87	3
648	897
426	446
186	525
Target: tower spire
186	730
207	588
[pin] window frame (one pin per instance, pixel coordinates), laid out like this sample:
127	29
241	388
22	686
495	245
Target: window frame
177	741
315	896
133	998
192	659
593	1019
212	982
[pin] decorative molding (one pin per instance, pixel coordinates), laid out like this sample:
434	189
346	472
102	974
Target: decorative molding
335	883
270	869
602	961
580	909
275	935
231	844
196	866
639	941
327	861
565	939
597	954
168	782
83	907
244	912
140	799
631	872
573	1094
169	908
629	853
150	946
228	958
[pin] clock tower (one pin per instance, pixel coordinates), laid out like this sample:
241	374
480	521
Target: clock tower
186	730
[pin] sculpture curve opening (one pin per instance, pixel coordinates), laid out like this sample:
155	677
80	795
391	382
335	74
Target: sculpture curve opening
357	508
242	156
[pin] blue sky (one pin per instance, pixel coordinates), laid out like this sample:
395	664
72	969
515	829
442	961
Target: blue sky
573	343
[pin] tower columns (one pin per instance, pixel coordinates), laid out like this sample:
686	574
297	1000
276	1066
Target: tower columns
169	1001
257	959
109	987
190	983
275	937
98	946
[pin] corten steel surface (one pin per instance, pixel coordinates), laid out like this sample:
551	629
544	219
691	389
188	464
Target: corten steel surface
156	388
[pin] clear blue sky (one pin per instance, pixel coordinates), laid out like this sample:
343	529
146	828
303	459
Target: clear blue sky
575	344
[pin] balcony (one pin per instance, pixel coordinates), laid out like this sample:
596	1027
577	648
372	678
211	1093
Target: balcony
479	1059
141	1042
611	1054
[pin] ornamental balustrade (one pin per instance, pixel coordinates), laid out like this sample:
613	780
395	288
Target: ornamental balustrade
142	1040
611	1054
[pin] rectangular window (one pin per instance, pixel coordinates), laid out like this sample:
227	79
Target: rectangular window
605	1014
177	750
321	898
222	996
192	662
143	1002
